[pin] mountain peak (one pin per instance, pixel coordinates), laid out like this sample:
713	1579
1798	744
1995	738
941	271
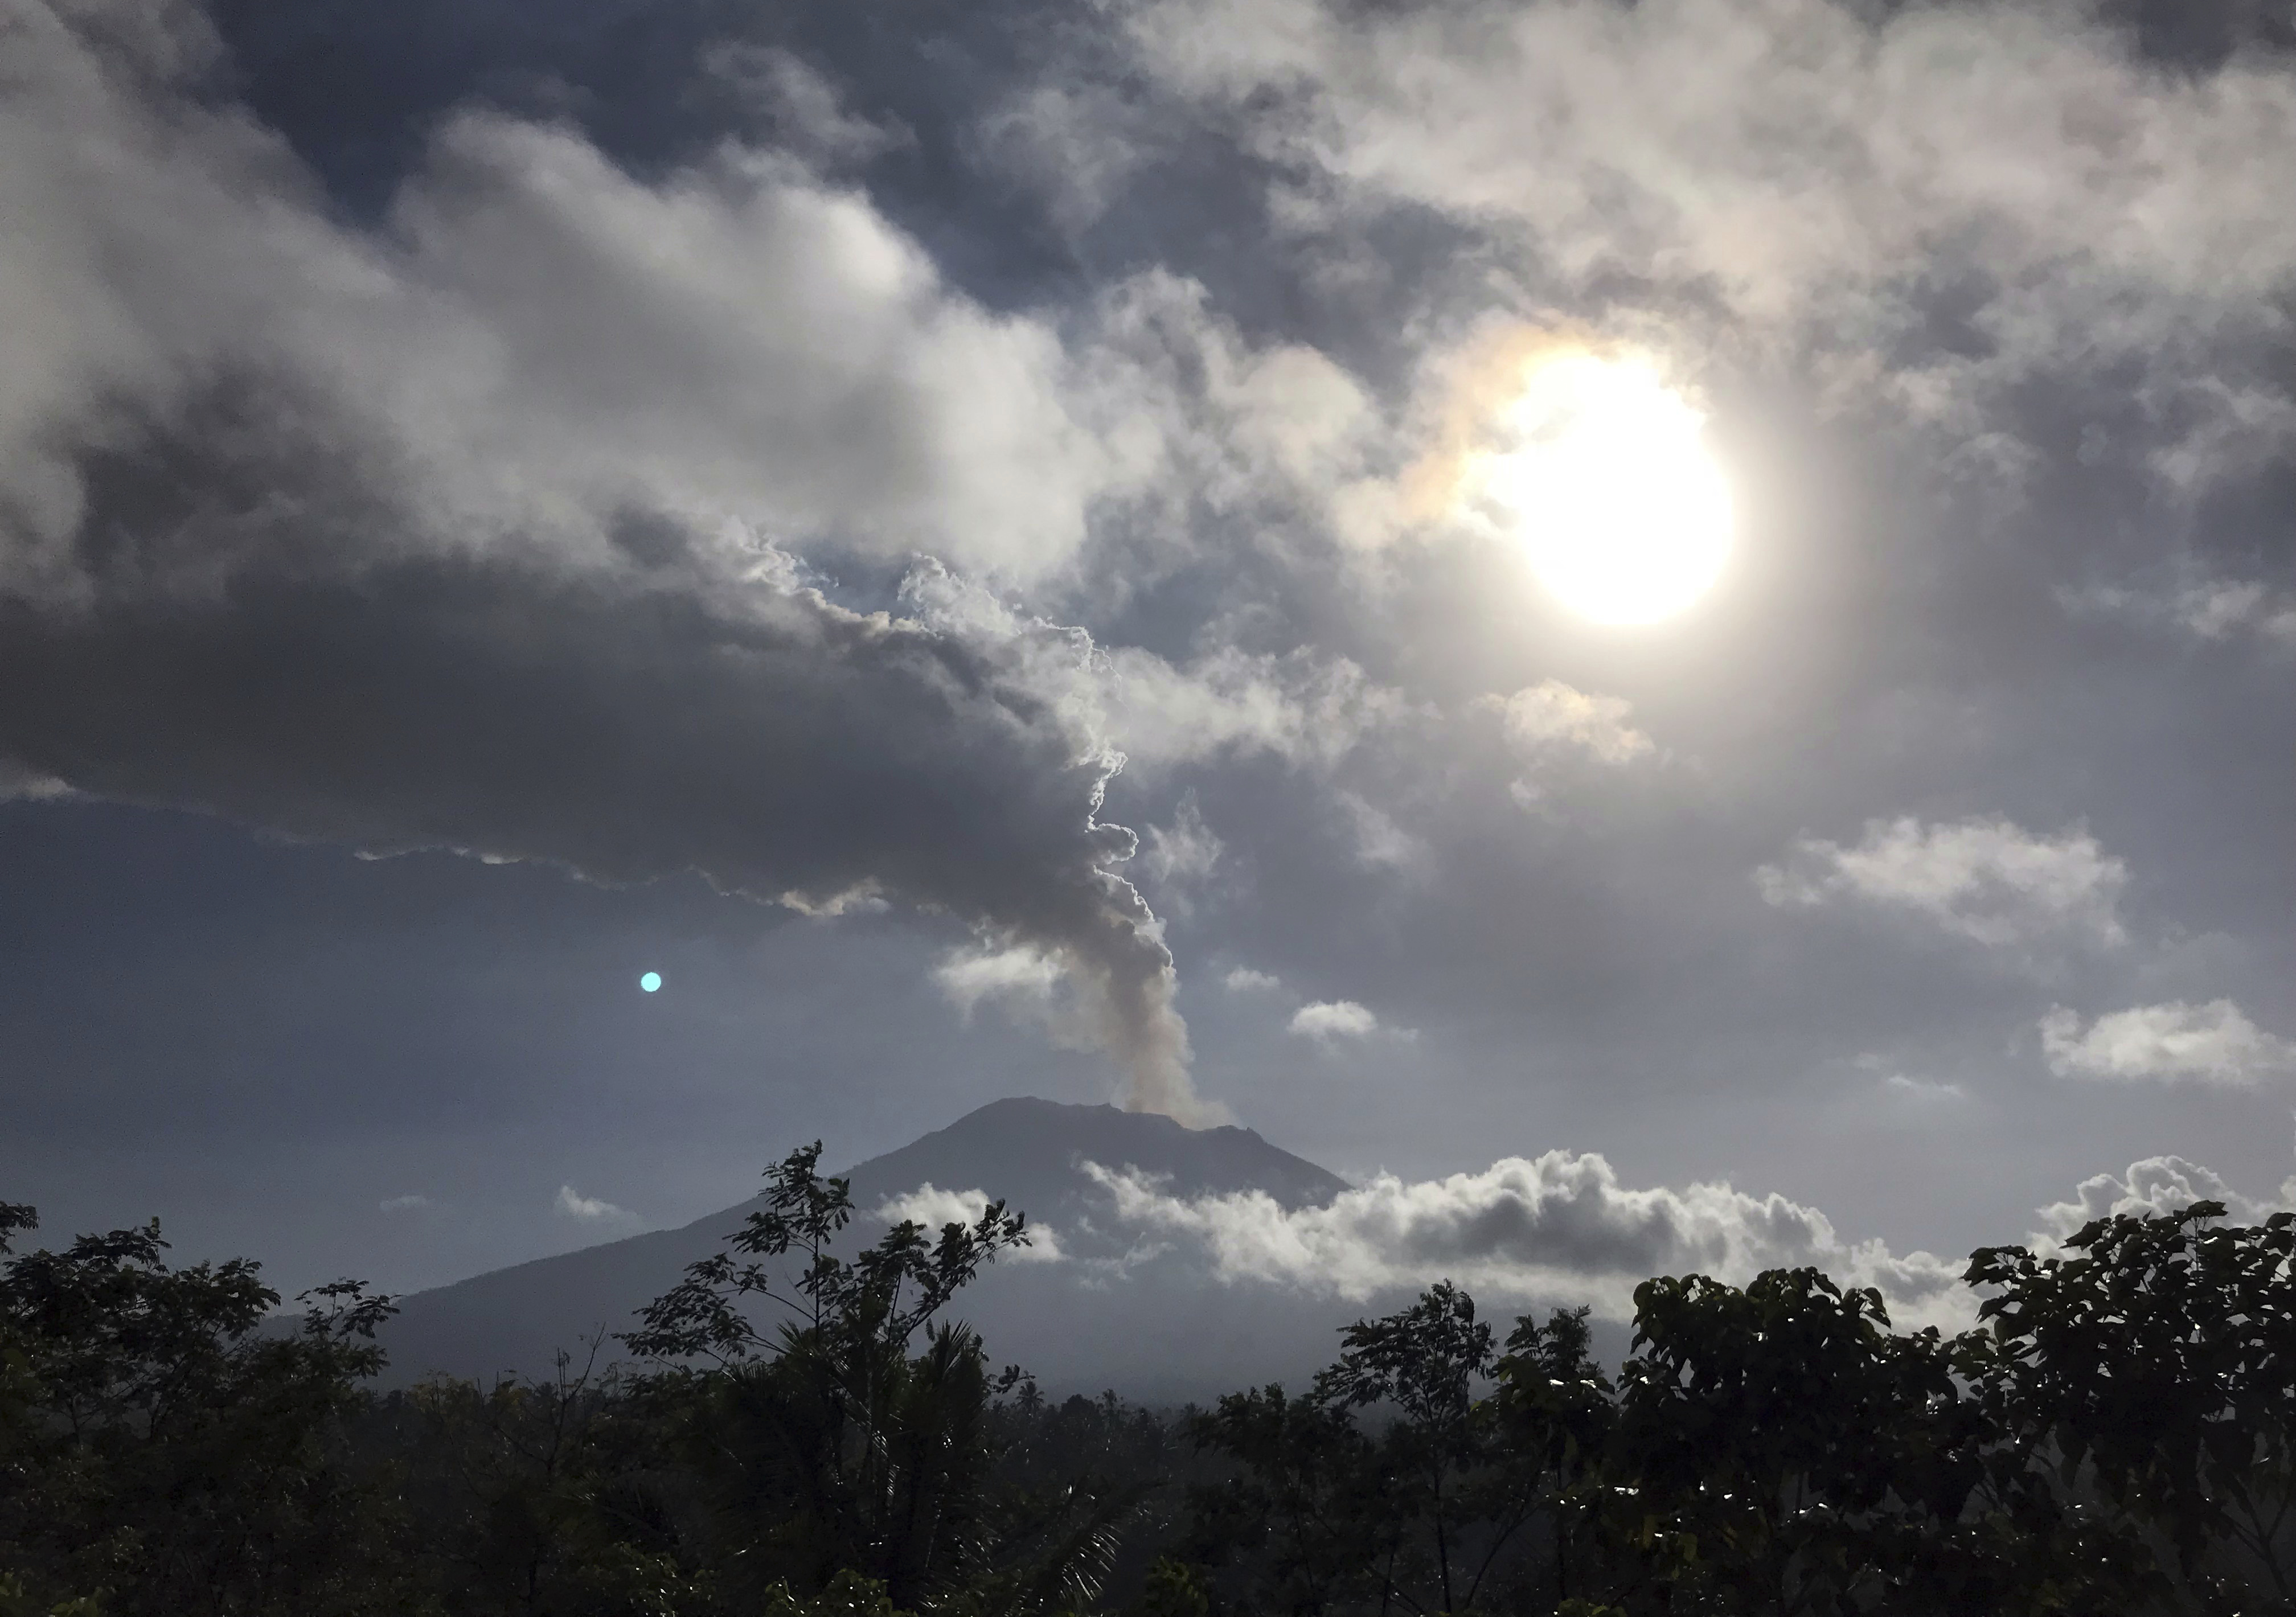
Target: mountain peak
1025	1151
1030	1151
1014	1107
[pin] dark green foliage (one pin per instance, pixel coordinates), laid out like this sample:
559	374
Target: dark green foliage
1782	1438
2158	1368
812	1438
822	1445
1172	1589
540	1496
2117	1438
1442	1466
159	1453
1552	1415
1306	1509
885	1295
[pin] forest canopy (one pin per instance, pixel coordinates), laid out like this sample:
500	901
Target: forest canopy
799	1433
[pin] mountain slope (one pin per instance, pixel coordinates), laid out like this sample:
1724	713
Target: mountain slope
1153	1323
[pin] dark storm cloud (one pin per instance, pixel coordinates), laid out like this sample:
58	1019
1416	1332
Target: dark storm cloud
321	533
625	724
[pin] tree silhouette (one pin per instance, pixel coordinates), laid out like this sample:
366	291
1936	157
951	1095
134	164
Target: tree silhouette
2157	1365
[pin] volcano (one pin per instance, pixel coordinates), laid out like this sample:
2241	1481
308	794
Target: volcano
1096	1305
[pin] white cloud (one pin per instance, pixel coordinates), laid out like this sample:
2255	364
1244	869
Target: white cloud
802	366
1327	1020
539	338
862	898
1989	881
403	1203
1019	972
1563	1227
1243	980
1813	171
1306	707
935	1208
1558	1227
1243	430
1334	1019
1549	715
2174	1042
590	1209
2157	1185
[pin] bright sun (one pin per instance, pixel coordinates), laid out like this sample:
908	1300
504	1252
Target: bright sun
1602	473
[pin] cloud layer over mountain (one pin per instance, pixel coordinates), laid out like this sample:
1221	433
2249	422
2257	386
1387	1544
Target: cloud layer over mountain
1564	1227
1559	1226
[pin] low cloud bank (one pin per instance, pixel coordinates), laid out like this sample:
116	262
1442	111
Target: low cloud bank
1560	1226
2157	1185
1561	1229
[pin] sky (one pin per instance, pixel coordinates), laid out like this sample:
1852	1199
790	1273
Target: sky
1686	607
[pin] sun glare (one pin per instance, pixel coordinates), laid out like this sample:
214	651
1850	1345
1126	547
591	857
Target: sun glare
1602	472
